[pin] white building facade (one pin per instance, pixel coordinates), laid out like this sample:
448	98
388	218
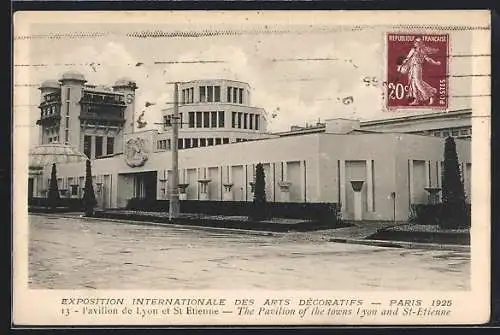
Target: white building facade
374	174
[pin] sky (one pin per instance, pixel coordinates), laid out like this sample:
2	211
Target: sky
300	73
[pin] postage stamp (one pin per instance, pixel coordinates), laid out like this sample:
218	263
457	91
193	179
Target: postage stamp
417	71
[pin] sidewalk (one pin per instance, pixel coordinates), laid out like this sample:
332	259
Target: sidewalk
357	233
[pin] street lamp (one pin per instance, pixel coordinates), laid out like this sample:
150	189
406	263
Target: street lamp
174	206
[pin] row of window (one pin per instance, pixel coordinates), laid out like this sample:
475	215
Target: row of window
52	134
206	119
103	98
212	94
53	139
51	97
66	129
50	110
452	132
209	93
216	119
187	96
184	143
235	95
245	120
98	146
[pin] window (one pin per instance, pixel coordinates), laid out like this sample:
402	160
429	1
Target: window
110	145
217	93
187	143
218	141
169	145
257	117
437	133
195	142
225	140
191	94
241	95
233	120
98	146
183	96
203	95
454	133
213	121
159	145
191	119
221	119
167	121
235	94
239	119
66	136
74	190
464	132
250	121
446	133
198	120
179	121
210	93
203	142
87	146
206	119
180	143
238	140
210	141
245	117
229	94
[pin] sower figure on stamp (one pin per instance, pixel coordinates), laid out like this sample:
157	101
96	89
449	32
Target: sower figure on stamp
418	89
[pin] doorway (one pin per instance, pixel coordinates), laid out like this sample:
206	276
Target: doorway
145	185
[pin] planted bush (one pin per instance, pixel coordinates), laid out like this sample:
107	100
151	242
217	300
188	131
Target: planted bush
89	200
454	213
53	194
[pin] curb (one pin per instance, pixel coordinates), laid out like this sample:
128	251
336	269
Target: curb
158	224
376	243
403	244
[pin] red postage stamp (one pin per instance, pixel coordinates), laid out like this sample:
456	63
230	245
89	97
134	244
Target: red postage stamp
417	71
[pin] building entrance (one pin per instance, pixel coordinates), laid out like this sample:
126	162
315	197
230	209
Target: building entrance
145	185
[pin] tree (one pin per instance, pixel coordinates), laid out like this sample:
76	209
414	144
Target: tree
259	196
53	195
89	200
455	214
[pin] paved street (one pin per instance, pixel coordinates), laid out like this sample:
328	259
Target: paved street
84	253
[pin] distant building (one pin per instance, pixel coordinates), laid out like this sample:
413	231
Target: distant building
439	124
214	112
223	137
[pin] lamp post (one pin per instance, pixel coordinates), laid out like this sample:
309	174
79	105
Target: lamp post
174	207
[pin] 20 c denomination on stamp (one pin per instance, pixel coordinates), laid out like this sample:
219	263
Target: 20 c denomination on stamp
417	71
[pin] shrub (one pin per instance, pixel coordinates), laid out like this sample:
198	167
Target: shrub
454	213
259	197
89	200
53	194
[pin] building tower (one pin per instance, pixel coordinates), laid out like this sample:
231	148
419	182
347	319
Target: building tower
72	84
49	109
127	86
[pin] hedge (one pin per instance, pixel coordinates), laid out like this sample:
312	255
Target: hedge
72	204
431	214
290	210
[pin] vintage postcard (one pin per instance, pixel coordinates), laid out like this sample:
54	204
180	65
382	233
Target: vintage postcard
251	168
